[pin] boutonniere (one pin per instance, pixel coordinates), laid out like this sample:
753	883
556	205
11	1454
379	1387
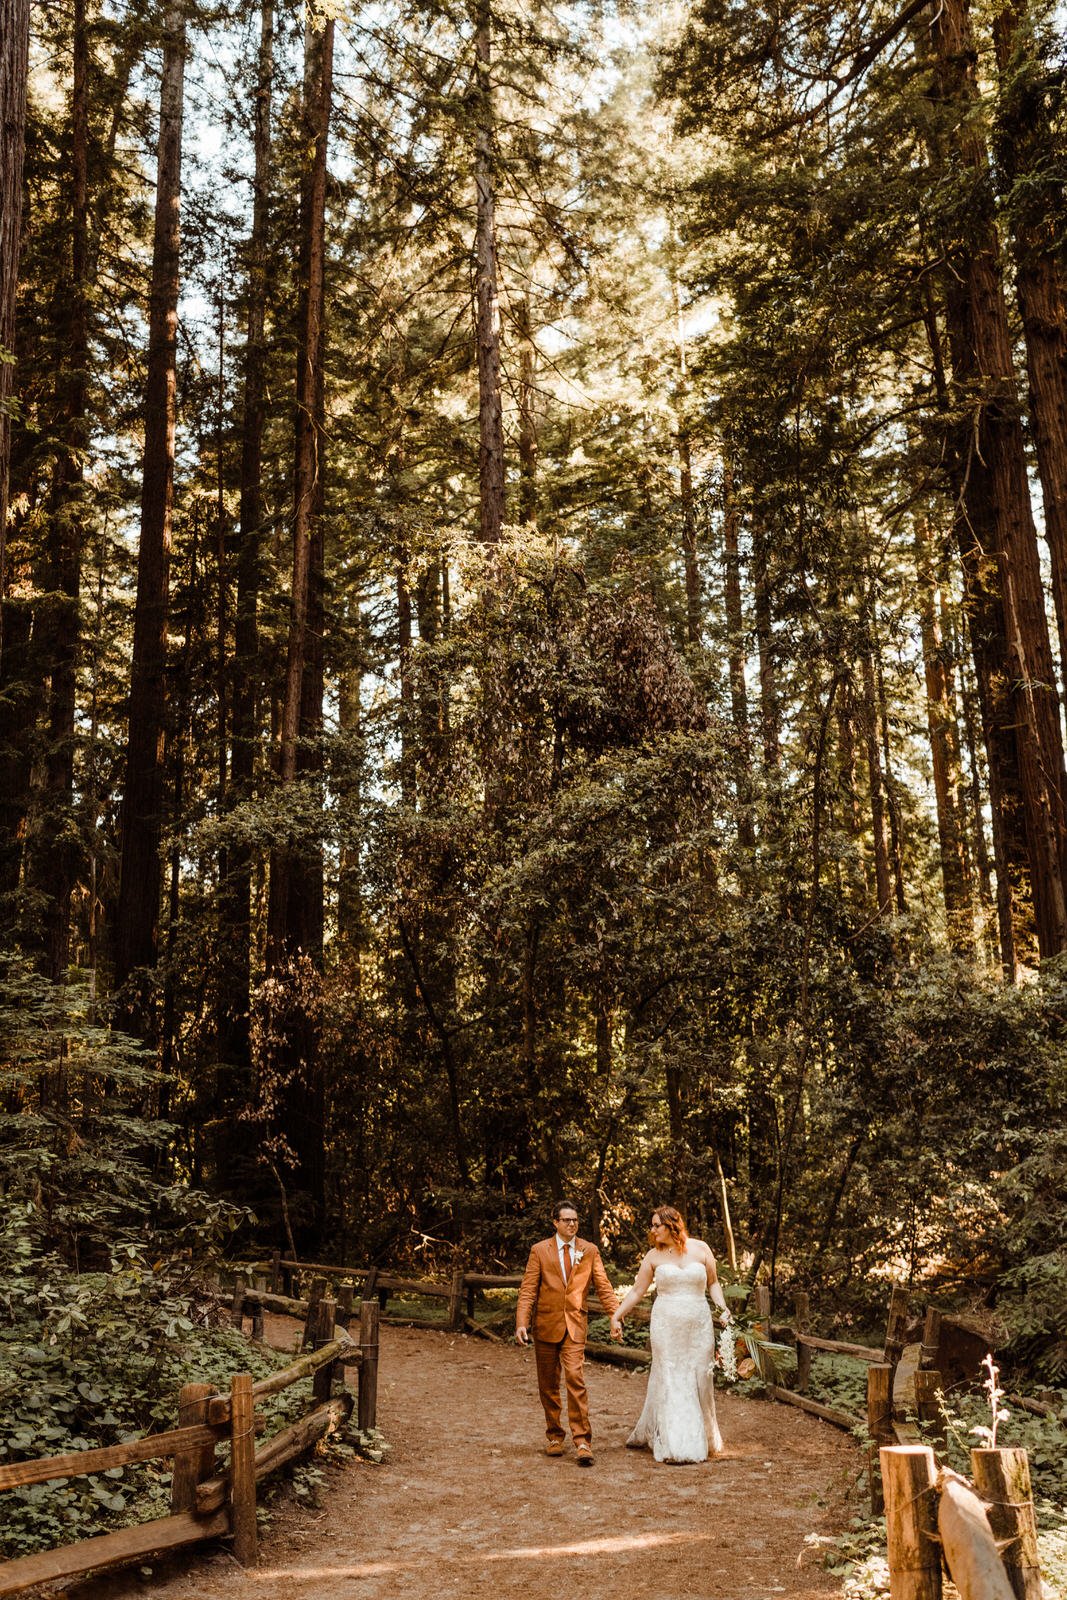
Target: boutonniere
578	1254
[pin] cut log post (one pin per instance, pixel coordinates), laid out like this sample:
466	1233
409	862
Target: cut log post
471	1293
367	1407
191	1465
909	1477
928	1408
879	1426
237	1304
970	1548
1002	1478
801	1314
256	1308
243	1469
275	1272
455	1300
931	1339
316	1294
323	1333
896	1325
345	1297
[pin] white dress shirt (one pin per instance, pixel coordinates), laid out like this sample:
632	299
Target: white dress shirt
568	1245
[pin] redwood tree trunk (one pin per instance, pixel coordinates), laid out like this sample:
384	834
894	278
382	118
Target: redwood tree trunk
735	651
295	909
996	491
487	302
284	918
56	855
770	713
140	880
233	1021
528	442
14	66
1024	140
944	757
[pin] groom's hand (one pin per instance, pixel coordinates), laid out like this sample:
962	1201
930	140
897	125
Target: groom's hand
616	1328
522	1335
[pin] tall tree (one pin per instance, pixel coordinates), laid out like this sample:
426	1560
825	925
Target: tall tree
992	467
14	65
142	801
486	286
54	851
235	995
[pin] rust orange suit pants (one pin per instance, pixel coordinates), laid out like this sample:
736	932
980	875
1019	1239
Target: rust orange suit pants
552	1358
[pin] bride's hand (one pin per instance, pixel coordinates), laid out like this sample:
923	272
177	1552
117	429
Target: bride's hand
616	1328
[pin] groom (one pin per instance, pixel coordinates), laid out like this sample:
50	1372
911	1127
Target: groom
553	1291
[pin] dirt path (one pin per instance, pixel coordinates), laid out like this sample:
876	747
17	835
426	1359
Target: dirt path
468	1506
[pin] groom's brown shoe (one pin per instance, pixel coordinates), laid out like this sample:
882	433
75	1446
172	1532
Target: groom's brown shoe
585	1456
554	1447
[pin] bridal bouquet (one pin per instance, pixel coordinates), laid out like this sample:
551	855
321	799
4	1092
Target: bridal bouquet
728	1355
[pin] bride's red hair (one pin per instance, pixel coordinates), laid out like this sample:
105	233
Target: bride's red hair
674	1223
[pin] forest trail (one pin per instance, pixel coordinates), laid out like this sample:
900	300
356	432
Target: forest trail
466	1504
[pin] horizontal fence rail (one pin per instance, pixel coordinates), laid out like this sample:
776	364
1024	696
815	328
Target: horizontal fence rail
206	1503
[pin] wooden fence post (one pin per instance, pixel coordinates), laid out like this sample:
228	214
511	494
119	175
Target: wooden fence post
243	1469
367	1409
257	1319
345	1296
909	1477
801	1314
928	1384
237	1304
1002	1478
879	1425
471	1296
191	1466
931	1344
896	1325
322	1333
275	1272
316	1294
455	1300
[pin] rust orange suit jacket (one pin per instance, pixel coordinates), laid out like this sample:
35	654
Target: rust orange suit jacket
551	1309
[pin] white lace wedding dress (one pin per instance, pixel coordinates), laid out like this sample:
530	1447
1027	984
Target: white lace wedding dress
677	1421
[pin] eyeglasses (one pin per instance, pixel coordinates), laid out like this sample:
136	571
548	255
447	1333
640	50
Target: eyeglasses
567	1222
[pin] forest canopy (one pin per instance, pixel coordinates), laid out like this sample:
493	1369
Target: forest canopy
533	623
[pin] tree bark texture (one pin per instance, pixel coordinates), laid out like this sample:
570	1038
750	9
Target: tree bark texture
487	292
55	853
14	66
233	1021
528	440
735	650
770	710
944	755
996	490
1024	139
292	922
983	614
142	801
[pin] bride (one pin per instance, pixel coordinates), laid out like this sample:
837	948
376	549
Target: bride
678	1417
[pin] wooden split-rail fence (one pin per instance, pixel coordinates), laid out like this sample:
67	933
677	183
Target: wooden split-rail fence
288	1287
984	1533
206	1502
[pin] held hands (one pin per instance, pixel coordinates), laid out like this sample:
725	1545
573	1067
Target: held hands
616	1326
